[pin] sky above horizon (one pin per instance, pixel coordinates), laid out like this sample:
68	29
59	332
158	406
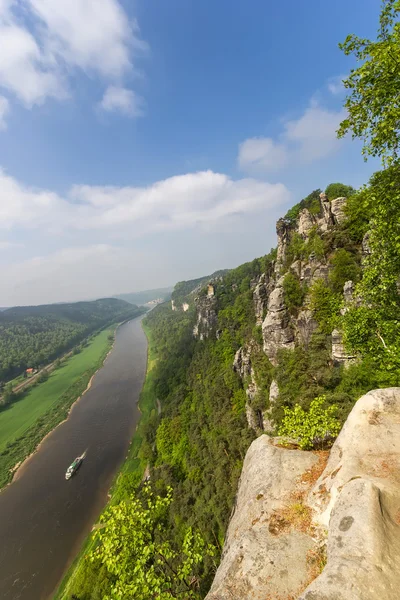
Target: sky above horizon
147	142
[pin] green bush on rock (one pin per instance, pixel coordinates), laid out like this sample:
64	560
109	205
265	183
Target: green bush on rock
315	428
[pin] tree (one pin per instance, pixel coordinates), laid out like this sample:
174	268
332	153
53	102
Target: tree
373	104
315	428
135	545
337	190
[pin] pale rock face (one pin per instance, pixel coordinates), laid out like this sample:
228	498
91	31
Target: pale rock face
366	250
257	562
283	233
339	354
337	211
305	223
276	328
348	291
185	306
206	316
358	498
355	510
305	327
326	220
260	298
268	424
242	362
173	305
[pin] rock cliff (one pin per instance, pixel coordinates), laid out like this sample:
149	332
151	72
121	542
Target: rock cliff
308	526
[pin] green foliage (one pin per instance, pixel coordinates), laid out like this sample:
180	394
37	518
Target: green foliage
338	190
312	202
373	328
314	428
41	408
141	557
33	336
293	291
372	105
345	268
298	248
325	304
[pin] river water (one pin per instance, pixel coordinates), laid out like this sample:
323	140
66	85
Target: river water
43	518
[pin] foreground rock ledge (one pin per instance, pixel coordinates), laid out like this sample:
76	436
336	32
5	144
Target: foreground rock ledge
306	530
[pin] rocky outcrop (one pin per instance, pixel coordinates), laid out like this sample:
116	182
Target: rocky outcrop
291	505
305	223
206	320
358	499
305	327
260	297
283	231
242	366
337	210
277	329
259	560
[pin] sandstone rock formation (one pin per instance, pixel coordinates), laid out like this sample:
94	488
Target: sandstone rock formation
206	320
286	513
258	562
277	330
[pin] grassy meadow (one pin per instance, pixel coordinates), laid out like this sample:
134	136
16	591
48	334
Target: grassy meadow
25	422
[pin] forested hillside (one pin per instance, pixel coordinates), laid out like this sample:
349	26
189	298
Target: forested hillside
31	336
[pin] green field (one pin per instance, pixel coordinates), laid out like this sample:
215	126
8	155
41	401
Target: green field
79	577
24	423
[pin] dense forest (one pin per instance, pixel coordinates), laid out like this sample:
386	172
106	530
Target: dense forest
33	336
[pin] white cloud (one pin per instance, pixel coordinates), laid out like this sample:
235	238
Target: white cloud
310	137
4	109
335	84
262	154
180	202
122	100
94	36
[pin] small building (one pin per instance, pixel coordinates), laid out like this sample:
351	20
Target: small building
30	372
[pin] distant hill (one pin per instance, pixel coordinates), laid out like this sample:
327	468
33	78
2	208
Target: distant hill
183	288
35	335
141	298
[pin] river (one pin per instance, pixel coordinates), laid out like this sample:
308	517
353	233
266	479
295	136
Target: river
43	518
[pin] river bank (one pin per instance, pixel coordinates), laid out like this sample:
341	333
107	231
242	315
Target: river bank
44	520
81	579
26	423
19	467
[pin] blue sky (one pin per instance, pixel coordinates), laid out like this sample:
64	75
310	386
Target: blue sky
147	142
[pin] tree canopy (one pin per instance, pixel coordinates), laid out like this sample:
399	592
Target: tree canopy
373	104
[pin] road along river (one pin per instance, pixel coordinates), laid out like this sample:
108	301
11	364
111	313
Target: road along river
43	518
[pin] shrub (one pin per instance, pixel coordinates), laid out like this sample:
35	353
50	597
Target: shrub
345	267
311	202
294	293
313	429
337	190
325	304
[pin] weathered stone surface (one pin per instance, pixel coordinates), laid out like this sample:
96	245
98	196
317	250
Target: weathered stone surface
358	498
337	211
305	223
260	298
348	291
185	306
206	316
366	250
305	326
260	562
273	392
173	305
325	219
242	363
339	354
356	501
277	330
283	233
